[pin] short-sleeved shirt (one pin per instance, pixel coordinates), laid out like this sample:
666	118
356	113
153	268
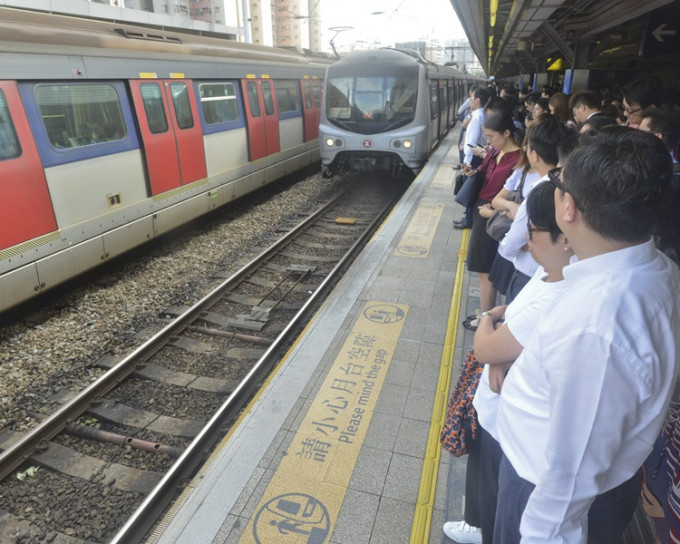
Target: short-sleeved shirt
522	317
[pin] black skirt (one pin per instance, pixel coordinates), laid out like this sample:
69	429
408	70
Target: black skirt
501	272
483	249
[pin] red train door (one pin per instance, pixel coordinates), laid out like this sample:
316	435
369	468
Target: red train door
263	119
25	204
316	98
271	117
311	128
171	134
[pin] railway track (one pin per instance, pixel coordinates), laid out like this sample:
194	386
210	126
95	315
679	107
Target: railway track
131	439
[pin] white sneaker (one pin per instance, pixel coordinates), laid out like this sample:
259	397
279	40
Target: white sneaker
461	532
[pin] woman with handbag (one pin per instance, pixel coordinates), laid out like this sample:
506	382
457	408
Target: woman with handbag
502	334
495	169
502	212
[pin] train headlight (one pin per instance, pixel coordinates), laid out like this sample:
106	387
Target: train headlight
397	143
333	142
407	144
330	142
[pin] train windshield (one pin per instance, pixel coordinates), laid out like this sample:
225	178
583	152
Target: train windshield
370	105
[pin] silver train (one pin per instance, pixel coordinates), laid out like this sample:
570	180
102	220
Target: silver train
386	109
112	134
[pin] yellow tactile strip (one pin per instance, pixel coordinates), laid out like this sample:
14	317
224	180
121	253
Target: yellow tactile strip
303	500
417	239
422	517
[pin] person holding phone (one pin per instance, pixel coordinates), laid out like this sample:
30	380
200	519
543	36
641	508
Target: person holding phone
474	135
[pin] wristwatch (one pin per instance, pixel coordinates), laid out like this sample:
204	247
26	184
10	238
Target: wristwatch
484	314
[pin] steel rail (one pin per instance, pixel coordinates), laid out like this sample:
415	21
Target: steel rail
143	519
21	450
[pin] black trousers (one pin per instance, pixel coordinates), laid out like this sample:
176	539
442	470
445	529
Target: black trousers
608	516
481	484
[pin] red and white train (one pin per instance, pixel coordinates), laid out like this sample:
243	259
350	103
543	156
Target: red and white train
111	135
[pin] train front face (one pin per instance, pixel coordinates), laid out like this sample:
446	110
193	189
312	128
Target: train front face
375	115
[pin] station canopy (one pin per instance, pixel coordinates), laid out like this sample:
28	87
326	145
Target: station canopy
526	36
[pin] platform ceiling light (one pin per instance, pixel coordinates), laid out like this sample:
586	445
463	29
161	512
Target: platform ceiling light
493	10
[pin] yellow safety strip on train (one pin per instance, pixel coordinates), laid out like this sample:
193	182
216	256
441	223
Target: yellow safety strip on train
177	75
417	239
422	517
303	500
444	177
148	75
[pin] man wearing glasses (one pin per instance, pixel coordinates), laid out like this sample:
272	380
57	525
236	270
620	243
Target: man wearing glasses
583	404
638	95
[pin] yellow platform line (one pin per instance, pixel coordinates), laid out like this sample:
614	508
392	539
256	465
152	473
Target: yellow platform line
422	516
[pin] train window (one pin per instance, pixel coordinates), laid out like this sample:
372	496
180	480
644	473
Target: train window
153	106
434	100
75	115
372	99
218	101
268	98
180	100
287	96
253	100
9	143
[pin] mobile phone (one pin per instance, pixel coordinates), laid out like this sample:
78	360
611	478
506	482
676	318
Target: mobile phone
470	145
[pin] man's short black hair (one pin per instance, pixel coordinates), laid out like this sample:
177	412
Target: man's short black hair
666	122
619	177
482	94
541	209
644	91
496	103
545	135
587	98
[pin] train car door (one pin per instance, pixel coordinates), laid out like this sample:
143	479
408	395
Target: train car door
316	98
263	119
311	120
271	117
25	204
171	135
187	130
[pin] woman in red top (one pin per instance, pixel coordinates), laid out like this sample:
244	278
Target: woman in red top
496	167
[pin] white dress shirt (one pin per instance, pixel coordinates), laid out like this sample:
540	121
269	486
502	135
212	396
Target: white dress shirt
584	402
515	239
522	317
474	133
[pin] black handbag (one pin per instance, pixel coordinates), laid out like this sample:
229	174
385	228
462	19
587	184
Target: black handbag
458	183
468	193
499	223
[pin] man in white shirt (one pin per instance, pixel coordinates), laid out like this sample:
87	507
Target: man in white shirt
474	137
583	404
544	137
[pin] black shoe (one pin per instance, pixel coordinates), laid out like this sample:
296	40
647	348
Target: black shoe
471	322
460	225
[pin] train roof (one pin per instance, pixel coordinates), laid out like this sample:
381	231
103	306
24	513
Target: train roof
383	60
24	30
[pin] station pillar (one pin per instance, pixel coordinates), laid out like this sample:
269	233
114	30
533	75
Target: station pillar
575	80
540	79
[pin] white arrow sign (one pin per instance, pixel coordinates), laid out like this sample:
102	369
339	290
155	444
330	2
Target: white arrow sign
659	32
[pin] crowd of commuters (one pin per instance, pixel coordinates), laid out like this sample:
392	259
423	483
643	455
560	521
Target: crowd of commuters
581	359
